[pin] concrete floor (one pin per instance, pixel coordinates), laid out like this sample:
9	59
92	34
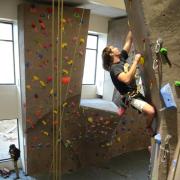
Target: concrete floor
130	166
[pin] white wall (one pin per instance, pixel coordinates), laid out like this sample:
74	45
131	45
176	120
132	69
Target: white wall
98	23
8	102
8	9
112	3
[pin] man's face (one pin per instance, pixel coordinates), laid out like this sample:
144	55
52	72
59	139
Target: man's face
115	51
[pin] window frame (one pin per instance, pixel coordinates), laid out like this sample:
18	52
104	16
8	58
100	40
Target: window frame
90	34
13	51
17	120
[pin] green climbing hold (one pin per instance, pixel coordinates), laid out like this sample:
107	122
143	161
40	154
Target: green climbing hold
163	51
177	83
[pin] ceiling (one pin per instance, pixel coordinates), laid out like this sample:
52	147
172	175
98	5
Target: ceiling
99	7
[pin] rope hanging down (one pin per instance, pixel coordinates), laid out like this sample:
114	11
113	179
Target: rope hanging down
57	104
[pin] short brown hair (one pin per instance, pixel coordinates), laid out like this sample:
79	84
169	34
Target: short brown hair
107	58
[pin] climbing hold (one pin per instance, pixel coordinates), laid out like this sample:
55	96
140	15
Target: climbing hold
28	87
177	83
168	97
68	143
82	41
51	92
141	61
108	144
90	120
34	27
65	104
55	111
49	78
44	122
42	83
64	45
65	71
118	139
45	133
70	62
35	78
66	79
121	111
164	52
42	24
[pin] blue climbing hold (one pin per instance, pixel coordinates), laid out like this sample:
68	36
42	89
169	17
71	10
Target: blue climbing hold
168	97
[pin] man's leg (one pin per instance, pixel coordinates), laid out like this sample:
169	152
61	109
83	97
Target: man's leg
147	109
150	112
16	169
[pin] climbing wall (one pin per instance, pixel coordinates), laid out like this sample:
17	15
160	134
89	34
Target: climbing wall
152	20
35	29
89	136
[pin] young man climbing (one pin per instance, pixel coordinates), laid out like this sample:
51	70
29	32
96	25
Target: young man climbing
124	80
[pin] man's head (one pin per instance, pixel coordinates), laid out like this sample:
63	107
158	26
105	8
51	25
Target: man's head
12	146
110	55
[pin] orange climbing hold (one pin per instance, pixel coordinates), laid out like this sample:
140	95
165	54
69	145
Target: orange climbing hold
66	80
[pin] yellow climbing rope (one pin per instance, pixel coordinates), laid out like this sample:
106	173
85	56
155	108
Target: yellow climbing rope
57	109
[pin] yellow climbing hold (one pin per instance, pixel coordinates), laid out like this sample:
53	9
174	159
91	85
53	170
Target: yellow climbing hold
42	83
65	71
82	40
28	87
141	61
46	133
55	111
35	78
118	139
70	62
44	122
51	92
64	45
65	104
90	120
108	144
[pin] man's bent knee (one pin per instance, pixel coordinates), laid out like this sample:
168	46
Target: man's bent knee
149	110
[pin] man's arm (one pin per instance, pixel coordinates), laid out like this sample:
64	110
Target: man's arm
127	77
128	42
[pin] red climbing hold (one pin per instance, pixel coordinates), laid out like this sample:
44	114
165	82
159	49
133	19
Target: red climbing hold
49	78
121	111
66	80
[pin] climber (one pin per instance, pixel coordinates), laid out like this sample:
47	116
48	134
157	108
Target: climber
123	78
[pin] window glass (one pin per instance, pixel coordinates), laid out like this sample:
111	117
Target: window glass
89	67
8	136
92	42
6	63
5	31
